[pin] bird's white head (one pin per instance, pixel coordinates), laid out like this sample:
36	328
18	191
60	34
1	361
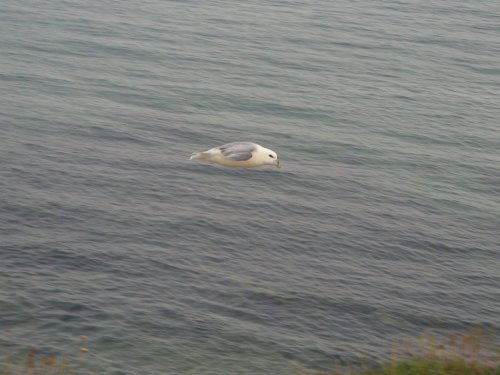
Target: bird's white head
268	157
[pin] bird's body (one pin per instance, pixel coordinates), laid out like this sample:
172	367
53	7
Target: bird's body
239	155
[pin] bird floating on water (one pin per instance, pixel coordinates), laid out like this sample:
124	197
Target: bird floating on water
239	155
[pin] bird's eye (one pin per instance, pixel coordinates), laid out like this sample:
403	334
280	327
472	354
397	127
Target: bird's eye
272	157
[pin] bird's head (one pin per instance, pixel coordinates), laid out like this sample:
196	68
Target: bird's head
269	157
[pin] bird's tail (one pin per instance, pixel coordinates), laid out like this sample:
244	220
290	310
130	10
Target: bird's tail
198	155
195	155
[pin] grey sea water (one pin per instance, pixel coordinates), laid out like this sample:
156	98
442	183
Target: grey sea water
384	222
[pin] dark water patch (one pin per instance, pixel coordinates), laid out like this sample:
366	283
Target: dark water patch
110	135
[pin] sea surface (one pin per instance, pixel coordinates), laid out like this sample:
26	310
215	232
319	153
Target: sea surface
384	222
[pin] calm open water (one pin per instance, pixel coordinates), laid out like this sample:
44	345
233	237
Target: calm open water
384	222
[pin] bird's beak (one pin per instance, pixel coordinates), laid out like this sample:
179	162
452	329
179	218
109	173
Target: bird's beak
277	164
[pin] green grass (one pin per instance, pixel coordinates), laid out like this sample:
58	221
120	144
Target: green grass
425	366
420	366
468	354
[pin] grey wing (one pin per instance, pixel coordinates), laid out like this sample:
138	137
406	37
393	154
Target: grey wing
238	151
